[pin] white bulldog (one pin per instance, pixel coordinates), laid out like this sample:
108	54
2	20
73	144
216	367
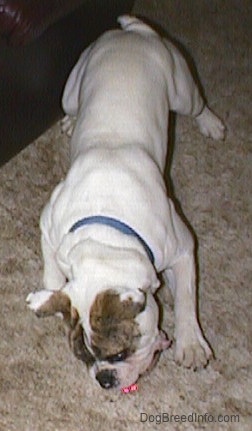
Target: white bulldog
109	229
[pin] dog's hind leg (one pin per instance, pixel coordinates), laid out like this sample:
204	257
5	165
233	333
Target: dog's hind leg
70	98
185	98
71	93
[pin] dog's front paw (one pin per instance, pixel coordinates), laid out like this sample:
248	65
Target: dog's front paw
37	302
67	125
192	352
210	125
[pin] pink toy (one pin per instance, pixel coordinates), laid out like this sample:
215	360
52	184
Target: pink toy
131	388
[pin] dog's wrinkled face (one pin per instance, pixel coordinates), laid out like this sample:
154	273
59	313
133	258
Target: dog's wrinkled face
118	338
122	341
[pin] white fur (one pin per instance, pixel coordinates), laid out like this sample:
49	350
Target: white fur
121	91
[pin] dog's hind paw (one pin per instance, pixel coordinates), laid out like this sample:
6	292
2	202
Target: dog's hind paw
67	125
210	125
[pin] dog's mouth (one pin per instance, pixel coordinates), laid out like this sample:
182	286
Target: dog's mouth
164	344
154	362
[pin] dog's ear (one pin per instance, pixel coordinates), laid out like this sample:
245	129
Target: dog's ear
48	303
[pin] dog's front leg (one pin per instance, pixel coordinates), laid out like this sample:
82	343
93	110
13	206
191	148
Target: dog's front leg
53	278
54	299
191	349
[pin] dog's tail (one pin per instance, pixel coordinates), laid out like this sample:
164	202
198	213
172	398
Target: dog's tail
131	23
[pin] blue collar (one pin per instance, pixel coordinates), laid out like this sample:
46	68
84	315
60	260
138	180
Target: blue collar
116	224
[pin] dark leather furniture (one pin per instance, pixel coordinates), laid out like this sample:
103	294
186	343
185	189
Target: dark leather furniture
40	41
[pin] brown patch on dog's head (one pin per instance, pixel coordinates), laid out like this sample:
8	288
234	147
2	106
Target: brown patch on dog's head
113	326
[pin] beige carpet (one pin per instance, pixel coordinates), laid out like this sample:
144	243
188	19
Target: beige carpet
42	385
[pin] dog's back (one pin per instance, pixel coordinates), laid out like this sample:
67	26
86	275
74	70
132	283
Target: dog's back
123	87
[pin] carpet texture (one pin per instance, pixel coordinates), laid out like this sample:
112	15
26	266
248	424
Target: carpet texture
42	385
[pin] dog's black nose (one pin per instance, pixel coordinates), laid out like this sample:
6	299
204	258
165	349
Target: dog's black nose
107	379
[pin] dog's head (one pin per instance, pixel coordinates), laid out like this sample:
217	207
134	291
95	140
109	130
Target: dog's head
123	339
112	315
118	338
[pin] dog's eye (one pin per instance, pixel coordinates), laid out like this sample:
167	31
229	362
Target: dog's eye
118	357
